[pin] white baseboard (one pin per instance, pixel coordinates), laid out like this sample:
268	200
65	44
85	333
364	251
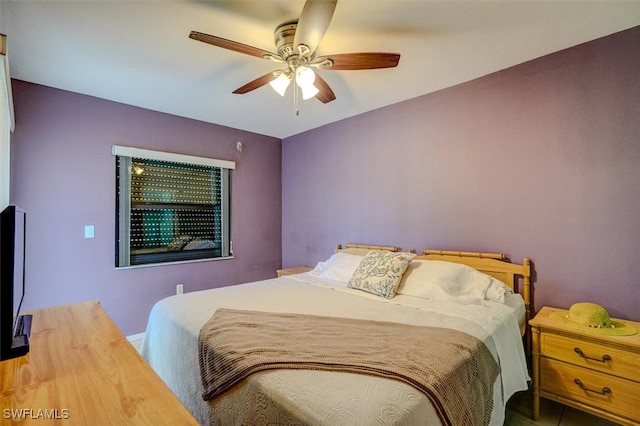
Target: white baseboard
135	337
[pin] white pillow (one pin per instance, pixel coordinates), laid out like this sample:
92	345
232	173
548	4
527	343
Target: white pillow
497	291
199	245
440	280
339	267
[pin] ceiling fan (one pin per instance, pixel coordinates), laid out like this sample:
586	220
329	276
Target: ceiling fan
296	43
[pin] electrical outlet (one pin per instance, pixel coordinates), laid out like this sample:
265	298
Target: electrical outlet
179	289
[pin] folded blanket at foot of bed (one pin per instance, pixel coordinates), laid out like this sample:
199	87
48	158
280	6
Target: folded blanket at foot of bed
454	370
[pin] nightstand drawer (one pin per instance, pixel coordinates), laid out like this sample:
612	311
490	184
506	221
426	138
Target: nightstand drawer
611	394
591	355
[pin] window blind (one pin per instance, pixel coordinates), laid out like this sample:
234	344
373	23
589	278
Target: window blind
171	211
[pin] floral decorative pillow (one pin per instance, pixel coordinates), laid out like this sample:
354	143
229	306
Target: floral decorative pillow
380	272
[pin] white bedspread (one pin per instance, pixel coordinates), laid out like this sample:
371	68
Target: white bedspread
170	346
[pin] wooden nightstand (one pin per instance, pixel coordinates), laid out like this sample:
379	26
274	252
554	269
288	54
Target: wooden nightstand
595	373
294	270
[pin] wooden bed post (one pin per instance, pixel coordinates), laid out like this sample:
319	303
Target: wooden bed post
526	295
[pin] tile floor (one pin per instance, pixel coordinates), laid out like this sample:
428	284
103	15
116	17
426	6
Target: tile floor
519	411
551	414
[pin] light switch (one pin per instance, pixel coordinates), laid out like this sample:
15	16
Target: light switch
88	231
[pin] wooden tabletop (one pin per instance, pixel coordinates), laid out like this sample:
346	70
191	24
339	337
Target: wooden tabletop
543	321
81	370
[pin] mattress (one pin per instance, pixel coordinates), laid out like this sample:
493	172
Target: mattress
170	346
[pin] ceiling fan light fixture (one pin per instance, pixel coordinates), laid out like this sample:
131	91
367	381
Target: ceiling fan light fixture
281	83
304	79
305	76
309	91
296	44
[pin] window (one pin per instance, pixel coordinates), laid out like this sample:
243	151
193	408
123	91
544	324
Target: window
7	122
170	207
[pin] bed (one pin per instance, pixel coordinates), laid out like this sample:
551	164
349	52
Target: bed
493	313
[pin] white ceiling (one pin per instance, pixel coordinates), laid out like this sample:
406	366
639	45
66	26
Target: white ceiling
139	53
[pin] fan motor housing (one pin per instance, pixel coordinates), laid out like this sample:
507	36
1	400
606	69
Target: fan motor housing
284	36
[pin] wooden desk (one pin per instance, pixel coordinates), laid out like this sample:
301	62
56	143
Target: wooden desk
81	370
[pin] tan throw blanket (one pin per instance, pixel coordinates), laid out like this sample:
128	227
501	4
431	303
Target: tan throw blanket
454	370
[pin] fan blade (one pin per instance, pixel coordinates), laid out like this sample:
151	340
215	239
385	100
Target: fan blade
258	82
358	61
325	94
312	25
232	45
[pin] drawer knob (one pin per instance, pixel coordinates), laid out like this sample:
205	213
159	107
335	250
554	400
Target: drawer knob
604	358
605	390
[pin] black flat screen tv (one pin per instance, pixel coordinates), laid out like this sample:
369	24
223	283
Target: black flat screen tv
15	328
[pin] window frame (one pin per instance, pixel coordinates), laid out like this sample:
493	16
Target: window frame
123	255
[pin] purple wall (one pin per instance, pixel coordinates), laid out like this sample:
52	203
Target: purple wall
541	160
63	175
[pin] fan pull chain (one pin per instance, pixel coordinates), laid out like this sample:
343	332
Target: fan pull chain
295	100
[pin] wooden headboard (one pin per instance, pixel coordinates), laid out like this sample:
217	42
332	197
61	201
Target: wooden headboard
495	264
363	248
